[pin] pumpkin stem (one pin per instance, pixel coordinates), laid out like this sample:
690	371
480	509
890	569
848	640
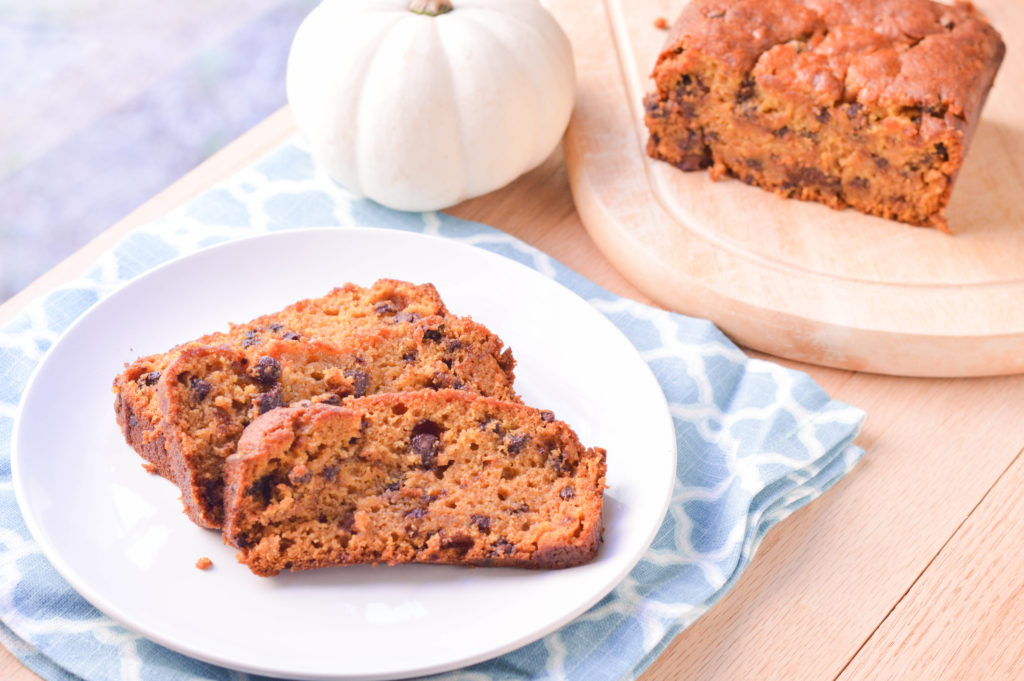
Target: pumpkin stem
431	8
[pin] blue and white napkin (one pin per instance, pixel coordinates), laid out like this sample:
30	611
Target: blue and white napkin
756	442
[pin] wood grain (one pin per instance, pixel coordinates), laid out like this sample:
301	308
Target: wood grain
963	619
793	278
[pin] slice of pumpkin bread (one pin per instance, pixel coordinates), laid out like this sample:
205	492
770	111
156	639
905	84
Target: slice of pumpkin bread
424	477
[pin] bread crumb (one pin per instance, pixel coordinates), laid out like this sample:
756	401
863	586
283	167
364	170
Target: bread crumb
661	23
204	563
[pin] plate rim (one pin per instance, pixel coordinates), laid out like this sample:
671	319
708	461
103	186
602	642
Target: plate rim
105	606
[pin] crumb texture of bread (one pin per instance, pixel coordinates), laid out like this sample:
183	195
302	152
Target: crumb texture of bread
868	104
433	476
185	410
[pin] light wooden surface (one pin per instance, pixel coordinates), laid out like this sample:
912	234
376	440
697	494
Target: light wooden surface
910	568
834	287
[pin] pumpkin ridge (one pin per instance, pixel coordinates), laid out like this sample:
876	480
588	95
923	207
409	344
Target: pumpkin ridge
459	123
527	75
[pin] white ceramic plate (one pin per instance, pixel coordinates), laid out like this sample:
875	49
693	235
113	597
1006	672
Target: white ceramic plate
117	534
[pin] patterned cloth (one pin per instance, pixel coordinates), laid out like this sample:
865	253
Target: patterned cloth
755	441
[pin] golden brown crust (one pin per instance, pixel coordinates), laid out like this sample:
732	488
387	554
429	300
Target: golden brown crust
862	103
430	477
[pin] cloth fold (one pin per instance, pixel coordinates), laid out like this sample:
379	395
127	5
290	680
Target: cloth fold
755	441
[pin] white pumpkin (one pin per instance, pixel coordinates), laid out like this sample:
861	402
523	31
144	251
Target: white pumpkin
419	111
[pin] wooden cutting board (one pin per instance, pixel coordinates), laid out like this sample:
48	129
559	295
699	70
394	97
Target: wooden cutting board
792	278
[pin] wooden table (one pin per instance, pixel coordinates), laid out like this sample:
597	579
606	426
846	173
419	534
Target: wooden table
910	568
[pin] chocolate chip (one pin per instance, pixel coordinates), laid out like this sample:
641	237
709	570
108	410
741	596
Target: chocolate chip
404	317
150	378
409	356
460	543
251	338
567	492
807	175
482	522
547	416
330	473
433	335
519	508
274	327
515	443
560	464
360	381
427	426
393	487
416	513
489	425
200	389
262	489
502	547
267	371
746	90
425	445
384	307
689	86
781	132
292	336
691	162
937	110
654	107
854	110
754	163
267	401
823	115
332	399
880	162
860	182
133	421
940	151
